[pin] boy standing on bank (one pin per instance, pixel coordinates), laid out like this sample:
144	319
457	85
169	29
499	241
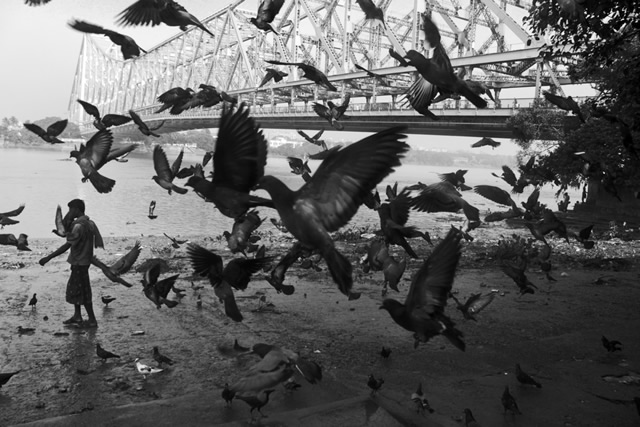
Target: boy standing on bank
82	237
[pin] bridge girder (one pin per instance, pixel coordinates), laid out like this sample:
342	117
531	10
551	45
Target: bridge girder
329	34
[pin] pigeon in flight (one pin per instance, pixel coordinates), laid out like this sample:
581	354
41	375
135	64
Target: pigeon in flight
315	139
309	72
5	217
36	2
334	194
158	290
486	141
105	122
128	46
164	174
120	267
267	12
274	74
567	104
237	274
146	130
238	164
51	134
423	310
154	12
92	157
371	11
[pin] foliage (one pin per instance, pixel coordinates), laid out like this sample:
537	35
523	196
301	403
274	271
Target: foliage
600	42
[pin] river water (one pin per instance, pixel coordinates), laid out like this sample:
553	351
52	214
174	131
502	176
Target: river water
42	178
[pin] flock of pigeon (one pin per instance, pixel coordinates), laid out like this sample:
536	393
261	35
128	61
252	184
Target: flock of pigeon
346	179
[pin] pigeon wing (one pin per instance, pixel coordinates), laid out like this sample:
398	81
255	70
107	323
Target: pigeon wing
345	178
57	128
90	109
35	129
98	147
14	212
115	120
142	12
175	167
125	263
495	194
241	150
432	283
203	261
161	164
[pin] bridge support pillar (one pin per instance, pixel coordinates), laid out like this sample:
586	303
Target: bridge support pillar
497	97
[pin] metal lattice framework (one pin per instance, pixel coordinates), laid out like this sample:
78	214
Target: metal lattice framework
332	35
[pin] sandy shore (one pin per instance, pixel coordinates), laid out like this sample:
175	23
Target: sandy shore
554	334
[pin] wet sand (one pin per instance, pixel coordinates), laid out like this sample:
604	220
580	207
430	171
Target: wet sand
554	334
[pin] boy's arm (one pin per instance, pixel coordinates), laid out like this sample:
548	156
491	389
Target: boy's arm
62	249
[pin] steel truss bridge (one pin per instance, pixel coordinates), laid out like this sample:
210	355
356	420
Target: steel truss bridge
484	36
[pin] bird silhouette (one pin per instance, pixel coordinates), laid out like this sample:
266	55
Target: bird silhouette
333	113
385	352
92	157
240	236
5	217
298	166
33	301
107	299
371	11
160	358
516	273
583	237
105	354
6	376
267	12
237	274
105	122
154	12
393	271
228	395
272	74
315	139
128	46
374	384
333	195
509	402
258	401
175	243
469	420
152	208
174	100
143	127
164	174
611	345
486	142
238	164
524	378
474	304
423	310
156	290
394	215
120	267
276	279
395	55
443	197
377	254
497	195
456	179
51	134
309	72
567	104
421	402
146	369
36	2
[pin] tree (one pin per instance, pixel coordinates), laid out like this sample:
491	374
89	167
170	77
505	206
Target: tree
599	40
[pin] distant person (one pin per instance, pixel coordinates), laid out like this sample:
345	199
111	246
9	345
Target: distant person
82	237
515	104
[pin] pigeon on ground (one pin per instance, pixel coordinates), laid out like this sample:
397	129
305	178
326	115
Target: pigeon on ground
33	301
385	352
107	299
228	395
524	378
256	402
422	404
611	345
104	354
374	384
160	358
146	369
509	402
